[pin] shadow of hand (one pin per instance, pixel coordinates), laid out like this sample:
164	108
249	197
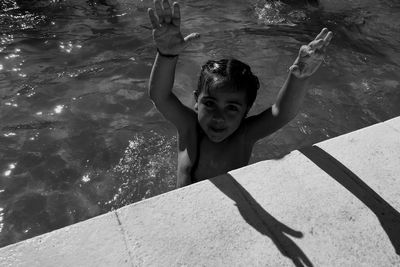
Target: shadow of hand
279	233
255	215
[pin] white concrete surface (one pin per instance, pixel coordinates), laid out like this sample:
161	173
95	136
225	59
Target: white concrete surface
95	242
394	123
307	209
373	154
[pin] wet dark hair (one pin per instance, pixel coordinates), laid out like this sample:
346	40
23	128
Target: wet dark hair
229	72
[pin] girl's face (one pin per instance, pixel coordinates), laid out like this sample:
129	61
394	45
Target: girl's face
220	112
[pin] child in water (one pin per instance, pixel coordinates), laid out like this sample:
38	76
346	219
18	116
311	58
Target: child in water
216	136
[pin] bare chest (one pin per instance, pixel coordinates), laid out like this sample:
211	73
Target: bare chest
215	159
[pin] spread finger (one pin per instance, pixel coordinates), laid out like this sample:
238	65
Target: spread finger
153	18
167	11
321	34
176	15
159	11
328	38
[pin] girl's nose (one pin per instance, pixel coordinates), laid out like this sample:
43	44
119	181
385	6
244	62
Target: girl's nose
218	117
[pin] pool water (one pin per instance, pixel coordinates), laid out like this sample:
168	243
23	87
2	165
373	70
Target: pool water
79	136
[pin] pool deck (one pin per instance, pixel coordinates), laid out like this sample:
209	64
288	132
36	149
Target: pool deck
335	203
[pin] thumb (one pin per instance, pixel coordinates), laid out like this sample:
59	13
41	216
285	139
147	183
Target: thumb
191	37
295	70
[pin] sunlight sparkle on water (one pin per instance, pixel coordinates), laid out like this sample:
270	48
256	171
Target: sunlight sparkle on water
11	104
58	109
11	56
67	47
85	178
10	168
32	138
16	50
366	86
6	39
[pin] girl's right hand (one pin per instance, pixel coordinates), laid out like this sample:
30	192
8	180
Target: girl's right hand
166	28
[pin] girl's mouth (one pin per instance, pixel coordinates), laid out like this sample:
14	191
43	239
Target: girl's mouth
217	129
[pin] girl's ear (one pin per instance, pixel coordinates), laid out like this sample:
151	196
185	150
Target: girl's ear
196	97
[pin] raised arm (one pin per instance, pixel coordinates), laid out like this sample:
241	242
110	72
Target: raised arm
170	43
292	93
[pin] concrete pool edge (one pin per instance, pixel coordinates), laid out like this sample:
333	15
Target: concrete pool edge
321	205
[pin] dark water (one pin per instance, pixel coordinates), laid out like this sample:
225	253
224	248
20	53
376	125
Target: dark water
79	136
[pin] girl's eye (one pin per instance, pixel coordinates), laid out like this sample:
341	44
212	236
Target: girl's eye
208	104
233	108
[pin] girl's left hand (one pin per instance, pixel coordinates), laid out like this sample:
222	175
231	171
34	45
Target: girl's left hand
311	56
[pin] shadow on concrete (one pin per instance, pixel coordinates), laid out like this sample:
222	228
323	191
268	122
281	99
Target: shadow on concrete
261	220
388	216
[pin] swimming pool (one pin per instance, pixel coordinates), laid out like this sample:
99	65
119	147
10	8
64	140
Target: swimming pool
79	136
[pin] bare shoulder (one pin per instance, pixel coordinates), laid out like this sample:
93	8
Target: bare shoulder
187	129
187	123
262	124
178	114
